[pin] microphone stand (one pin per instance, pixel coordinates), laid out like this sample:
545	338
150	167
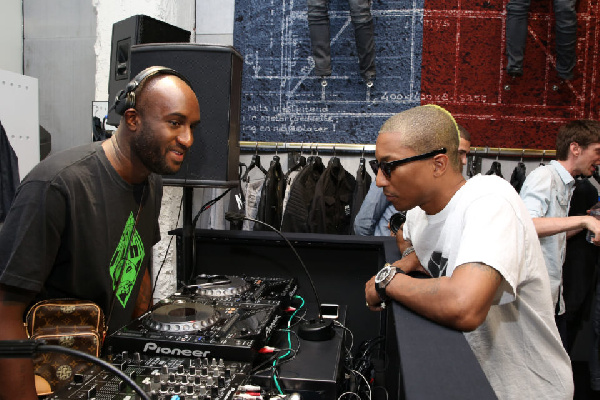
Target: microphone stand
187	240
314	329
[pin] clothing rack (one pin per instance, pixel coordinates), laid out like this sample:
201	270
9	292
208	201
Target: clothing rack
510	152
307	147
249	146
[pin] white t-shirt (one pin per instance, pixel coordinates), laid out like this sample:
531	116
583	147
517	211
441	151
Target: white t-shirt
518	345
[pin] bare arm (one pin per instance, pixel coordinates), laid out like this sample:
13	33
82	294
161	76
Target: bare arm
16	375
547	226
461	301
144	299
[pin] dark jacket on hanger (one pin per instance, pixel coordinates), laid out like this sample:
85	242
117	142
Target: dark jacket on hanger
473	165
295	218
330	211
9	174
518	176
580	256
271	197
363	182
495	169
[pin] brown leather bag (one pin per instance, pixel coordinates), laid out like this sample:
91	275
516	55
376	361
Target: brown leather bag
78	324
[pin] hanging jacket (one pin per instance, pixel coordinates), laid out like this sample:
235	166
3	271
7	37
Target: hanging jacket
289	178
271	197
330	211
363	183
473	165
495	169
295	218
9	174
518	177
580	256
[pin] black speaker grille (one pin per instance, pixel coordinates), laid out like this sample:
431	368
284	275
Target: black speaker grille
215	73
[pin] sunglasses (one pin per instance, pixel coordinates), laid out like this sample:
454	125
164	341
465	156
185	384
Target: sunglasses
388	166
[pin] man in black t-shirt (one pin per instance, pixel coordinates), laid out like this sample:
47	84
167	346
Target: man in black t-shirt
84	221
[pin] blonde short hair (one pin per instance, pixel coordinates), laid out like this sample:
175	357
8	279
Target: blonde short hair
427	128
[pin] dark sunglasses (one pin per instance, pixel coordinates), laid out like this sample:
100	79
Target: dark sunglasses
388	166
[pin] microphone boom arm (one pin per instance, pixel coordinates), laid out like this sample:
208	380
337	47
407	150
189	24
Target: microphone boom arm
312	284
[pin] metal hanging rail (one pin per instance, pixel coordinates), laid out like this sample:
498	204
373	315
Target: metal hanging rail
509	152
307	147
249	146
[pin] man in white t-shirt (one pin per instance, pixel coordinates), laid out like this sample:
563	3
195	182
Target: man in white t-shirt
477	241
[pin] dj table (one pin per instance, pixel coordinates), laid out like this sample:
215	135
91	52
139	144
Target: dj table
167	352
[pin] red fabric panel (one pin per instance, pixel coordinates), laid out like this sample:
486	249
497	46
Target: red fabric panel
463	70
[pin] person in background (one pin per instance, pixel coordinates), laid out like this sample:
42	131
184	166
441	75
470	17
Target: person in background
477	242
82	215
547	193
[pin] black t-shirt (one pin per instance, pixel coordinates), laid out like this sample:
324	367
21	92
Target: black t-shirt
69	227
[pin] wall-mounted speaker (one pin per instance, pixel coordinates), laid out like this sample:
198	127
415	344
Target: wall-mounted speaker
215	73
138	29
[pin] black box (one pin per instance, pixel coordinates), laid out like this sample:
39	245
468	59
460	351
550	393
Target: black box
137	29
316	372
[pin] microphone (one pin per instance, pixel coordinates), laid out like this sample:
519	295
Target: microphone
314	329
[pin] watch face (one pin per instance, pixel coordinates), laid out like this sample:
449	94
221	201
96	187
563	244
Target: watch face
382	274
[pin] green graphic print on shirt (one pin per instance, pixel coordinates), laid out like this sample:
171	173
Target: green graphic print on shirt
132	261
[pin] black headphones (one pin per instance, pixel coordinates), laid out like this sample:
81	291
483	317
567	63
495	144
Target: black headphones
126	98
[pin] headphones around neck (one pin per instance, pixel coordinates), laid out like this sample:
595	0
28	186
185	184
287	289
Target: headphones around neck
126	97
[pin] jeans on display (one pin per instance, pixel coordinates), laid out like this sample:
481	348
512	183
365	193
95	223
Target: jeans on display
566	35
318	23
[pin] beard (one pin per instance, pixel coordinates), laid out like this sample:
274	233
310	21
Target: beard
151	154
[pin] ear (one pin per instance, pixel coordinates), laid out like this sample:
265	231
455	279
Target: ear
575	149
440	164
131	120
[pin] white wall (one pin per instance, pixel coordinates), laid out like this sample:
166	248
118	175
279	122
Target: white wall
58	50
19	115
214	21
11	36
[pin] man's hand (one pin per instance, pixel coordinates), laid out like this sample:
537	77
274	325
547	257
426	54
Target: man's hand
400	241
593	225
409	263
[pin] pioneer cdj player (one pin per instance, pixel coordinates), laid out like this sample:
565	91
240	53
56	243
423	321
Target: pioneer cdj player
217	316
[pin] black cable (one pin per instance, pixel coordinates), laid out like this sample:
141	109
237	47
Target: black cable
27	348
362	362
208	205
95	360
164	258
236	216
268	362
160	270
